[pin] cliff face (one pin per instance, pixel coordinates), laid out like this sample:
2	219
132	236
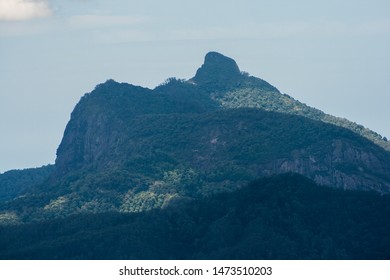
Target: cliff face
88	136
104	120
346	166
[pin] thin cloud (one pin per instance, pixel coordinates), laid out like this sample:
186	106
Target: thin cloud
283	30
18	10
99	21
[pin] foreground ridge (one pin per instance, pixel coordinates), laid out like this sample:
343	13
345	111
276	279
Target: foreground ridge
281	217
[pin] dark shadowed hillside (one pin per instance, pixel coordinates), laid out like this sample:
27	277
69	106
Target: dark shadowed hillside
282	217
15	182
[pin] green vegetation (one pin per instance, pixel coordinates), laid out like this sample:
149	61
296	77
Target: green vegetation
273	100
161	174
167	157
13	183
281	217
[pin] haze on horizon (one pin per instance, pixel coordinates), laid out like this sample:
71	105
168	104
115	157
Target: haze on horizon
332	55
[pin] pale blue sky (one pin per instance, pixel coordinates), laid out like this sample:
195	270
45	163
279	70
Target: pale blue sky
333	55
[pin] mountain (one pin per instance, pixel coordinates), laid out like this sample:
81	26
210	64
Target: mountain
123	126
15	182
219	166
281	217
129	149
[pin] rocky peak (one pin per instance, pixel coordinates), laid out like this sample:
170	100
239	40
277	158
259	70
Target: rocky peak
217	69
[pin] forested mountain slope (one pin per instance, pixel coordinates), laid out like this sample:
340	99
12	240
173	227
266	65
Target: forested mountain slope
281	217
129	149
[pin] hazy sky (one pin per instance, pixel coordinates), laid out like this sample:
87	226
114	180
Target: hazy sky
333	55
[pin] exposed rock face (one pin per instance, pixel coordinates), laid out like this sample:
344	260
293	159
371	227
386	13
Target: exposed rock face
347	167
87	138
218	69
